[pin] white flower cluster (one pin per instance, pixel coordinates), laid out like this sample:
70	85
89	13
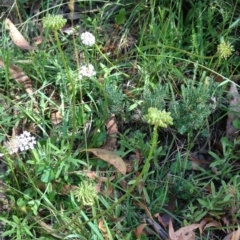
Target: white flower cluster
88	39
87	71
20	143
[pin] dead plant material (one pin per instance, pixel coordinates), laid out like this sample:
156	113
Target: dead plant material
16	36
19	76
234	113
112	131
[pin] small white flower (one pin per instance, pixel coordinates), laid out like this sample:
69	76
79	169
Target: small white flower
88	39
87	71
20	143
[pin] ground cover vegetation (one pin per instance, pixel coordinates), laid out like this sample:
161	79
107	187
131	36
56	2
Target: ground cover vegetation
119	119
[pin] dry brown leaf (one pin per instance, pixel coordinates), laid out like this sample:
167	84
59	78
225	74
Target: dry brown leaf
185	230
213	223
171	232
158	229
108	192
93	175
233	236
226	223
138	157
234	112
16	36
138	231
110	157
123	183
98	187
162	221
19	76
112	131
101	226
165	218
184	233
56	117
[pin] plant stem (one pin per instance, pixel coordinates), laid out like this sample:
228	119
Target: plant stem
73	104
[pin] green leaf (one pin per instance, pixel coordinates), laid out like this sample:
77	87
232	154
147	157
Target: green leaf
120	18
8	233
236	123
47	175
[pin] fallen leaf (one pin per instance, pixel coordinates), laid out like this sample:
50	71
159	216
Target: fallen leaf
112	131
19	76
138	231
123	183
165	218
158	229
233	236
185	230
213	223
16	36
101	226
110	157
108	192
98	187
93	175
184	233
171	232
56	117
162	221
138	157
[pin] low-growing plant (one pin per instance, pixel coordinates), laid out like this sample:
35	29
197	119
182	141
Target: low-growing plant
194	107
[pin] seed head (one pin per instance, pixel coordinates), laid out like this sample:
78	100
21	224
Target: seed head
85	193
158	118
225	49
53	22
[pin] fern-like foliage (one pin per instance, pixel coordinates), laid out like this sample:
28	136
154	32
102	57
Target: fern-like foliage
154	96
190	112
116	99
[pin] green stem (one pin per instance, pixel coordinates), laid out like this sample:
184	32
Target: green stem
144	170
73	104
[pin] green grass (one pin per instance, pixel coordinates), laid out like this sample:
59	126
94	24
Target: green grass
161	54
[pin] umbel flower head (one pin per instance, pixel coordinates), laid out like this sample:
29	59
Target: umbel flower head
88	39
85	193
225	49
87	71
53	22
158	118
20	143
